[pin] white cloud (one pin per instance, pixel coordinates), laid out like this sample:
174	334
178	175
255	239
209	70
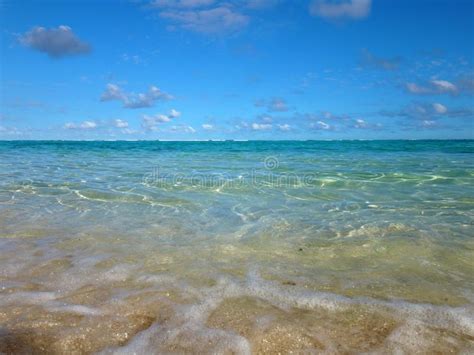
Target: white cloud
182	129
129	131
207	127
260	4
150	122
83	125
113	92
185	4
439	108
444	86
88	125
120	123
266	118
432	87
371	60
360	123
428	123
276	104
284	127
328	115
354	9
417	89
241	125
261	126
217	20
423	111
11	131
131	100
56	42
321	125
174	114
135	59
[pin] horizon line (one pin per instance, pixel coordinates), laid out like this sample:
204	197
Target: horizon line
236	140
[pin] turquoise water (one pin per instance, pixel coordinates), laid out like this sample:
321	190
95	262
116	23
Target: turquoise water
340	246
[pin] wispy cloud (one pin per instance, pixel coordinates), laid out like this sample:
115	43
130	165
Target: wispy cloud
182	4
285	127
466	83
346	9
120	123
56	42
207	127
215	20
131	100
359	123
261	126
428	111
440	108
182	128
434	86
276	104
260	4
320	125
370	60
86	125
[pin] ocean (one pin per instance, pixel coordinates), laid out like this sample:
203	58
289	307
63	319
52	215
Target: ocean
237	247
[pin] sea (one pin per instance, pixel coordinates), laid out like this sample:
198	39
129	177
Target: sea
229	247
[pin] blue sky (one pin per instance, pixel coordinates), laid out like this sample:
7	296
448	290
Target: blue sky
237	69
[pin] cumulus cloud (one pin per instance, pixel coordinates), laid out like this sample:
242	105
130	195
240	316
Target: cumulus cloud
131	100
347	9
56	42
151	122
370	60
83	125
113	92
432	87
174	114
216	20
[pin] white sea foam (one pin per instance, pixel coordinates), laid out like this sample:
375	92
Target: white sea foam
188	328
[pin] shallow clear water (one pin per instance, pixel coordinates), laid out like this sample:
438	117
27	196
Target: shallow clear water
237	246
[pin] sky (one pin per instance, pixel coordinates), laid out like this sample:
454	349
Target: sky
236	69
